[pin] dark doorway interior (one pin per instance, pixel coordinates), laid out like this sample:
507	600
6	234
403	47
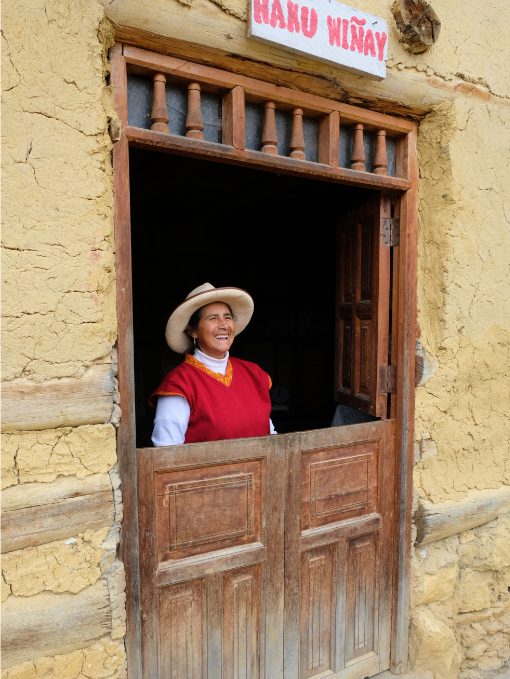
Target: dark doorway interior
274	235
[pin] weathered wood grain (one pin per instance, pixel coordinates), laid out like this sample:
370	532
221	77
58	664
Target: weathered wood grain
52	624
126	445
418	23
38	513
439	521
67	402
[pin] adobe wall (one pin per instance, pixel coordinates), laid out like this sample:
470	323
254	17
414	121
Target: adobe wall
63	589
60	402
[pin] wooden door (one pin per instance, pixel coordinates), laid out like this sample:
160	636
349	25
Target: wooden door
363	299
339	551
268	558
211	559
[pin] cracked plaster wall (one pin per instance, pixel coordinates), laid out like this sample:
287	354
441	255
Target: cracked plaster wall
461	605
58	301
59	292
58	295
461	612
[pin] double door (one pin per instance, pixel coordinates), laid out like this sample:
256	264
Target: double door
268	558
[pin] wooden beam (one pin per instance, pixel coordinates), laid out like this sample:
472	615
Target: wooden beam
53	624
438	521
223	153
67	402
402	404
38	513
126	444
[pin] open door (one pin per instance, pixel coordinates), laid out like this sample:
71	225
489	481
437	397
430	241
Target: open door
363	299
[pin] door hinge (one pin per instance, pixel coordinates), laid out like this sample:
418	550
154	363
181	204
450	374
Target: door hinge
390	234
388	379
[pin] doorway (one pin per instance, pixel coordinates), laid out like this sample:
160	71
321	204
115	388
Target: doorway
295	529
272	234
305	531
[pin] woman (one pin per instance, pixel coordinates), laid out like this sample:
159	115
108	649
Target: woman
211	396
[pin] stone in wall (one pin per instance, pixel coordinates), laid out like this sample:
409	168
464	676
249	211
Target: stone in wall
432	644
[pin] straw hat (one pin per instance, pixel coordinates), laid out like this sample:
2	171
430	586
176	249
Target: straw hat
238	300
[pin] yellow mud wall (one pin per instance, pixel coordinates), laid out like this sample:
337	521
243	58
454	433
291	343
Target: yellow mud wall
59	311
461	591
63	588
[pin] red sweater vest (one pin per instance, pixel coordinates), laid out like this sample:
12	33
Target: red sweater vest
234	405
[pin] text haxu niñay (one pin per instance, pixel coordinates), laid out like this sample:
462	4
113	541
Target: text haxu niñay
324	28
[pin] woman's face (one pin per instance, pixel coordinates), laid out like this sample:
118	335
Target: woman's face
216	329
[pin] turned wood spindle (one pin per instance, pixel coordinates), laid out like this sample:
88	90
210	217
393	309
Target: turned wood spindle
297	139
380	157
194	121
159	113
358	149
269	136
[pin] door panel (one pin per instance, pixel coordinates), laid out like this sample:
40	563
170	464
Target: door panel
337	538
268	558
182	627
212	560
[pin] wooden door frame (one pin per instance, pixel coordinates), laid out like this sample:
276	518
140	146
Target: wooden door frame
404	324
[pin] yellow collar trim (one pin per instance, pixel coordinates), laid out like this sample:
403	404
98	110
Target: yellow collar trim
225	379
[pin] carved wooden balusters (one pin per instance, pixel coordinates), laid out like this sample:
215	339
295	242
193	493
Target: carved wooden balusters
269	136
380	157
297	140
358	149
194	121
159	113
234	124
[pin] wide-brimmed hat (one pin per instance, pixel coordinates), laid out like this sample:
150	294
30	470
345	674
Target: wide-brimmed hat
237	299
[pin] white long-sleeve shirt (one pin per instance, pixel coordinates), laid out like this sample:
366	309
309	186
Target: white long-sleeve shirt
173	412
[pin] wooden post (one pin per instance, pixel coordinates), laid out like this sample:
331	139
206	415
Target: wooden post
358	150
233	124
297	140
269	136
194	122
159	113
380	158
329	139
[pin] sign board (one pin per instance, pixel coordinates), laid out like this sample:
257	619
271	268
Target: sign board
325	29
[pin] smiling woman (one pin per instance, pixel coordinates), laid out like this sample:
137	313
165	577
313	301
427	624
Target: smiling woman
211	396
